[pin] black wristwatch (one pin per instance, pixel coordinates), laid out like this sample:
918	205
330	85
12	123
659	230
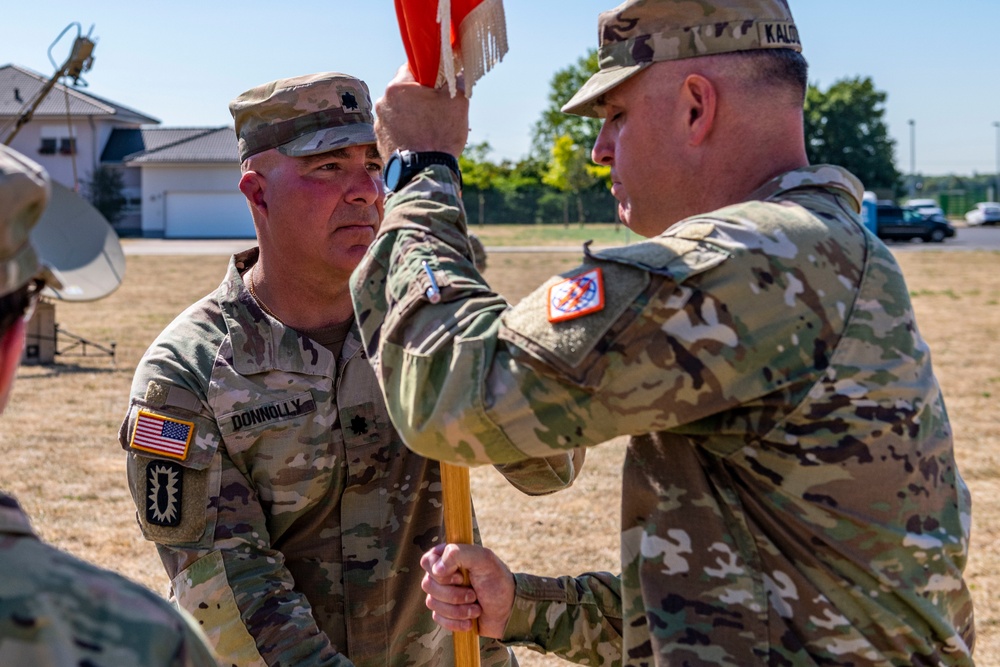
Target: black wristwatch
402	166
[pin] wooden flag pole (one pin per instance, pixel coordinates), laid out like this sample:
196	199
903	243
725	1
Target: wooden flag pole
458	530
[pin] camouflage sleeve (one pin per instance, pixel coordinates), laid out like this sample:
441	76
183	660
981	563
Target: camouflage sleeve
577	618
467	378
211	532
56	609
542	476
390	289
194	650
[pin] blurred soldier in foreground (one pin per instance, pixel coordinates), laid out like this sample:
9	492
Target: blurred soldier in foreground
295	518
790	495
54	608
478	253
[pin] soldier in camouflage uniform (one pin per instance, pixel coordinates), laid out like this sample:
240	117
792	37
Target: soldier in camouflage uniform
286	510
790	494
57	610
478	253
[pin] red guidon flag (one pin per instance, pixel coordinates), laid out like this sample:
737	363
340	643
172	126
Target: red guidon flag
445	37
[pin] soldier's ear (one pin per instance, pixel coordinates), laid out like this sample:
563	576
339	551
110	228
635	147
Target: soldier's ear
252	185
700	98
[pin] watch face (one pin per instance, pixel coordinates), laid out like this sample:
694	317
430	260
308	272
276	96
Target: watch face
393	171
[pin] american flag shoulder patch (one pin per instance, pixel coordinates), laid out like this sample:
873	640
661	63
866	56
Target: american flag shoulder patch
162	435
577	296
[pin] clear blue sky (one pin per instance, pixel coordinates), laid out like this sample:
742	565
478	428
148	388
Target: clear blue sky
183	61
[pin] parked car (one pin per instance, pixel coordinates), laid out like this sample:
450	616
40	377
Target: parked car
925	206
903	223
985	213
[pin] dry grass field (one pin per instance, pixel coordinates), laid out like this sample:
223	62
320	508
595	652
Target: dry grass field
62	460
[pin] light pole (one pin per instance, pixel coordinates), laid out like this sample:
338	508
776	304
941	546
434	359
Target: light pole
996	193
913	157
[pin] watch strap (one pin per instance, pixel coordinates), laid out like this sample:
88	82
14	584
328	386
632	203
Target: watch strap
413	162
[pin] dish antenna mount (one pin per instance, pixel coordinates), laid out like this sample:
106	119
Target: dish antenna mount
80	60
71	236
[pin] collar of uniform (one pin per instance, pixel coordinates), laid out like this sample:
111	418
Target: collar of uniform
13	520
820	176
352	343
261	343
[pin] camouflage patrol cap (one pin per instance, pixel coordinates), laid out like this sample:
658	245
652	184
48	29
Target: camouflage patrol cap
638	33
24	192
304	115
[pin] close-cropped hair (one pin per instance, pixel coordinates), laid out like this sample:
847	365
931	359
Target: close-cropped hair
14	305
783	68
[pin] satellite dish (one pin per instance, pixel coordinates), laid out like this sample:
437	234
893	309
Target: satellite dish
73	238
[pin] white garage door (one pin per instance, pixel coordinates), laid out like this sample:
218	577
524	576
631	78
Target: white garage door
218	215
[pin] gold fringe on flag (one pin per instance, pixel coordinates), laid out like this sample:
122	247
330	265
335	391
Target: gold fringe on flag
483	37
482	43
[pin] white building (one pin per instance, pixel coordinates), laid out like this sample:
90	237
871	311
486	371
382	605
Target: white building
178	182
189	177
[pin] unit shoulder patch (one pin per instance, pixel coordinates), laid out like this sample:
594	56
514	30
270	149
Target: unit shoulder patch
576	296
173	500
164	491
162	435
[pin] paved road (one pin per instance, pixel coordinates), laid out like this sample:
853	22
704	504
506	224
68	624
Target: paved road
185	246
966	238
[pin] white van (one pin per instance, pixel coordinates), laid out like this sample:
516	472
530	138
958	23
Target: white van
926	207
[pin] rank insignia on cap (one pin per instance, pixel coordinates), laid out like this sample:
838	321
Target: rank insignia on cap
348	101
164	489
162	435
577	296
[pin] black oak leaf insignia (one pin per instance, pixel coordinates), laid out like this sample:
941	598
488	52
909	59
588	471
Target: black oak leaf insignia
349	101
359	425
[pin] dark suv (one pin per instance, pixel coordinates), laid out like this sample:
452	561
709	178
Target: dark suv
903	223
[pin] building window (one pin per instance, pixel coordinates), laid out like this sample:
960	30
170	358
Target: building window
53	145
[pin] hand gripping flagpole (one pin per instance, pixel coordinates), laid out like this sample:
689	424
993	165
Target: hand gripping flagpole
468	36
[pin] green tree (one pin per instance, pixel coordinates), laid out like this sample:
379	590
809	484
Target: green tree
479	173
519	186
845	126
513	176
554	123
568	172
602	174
104	190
